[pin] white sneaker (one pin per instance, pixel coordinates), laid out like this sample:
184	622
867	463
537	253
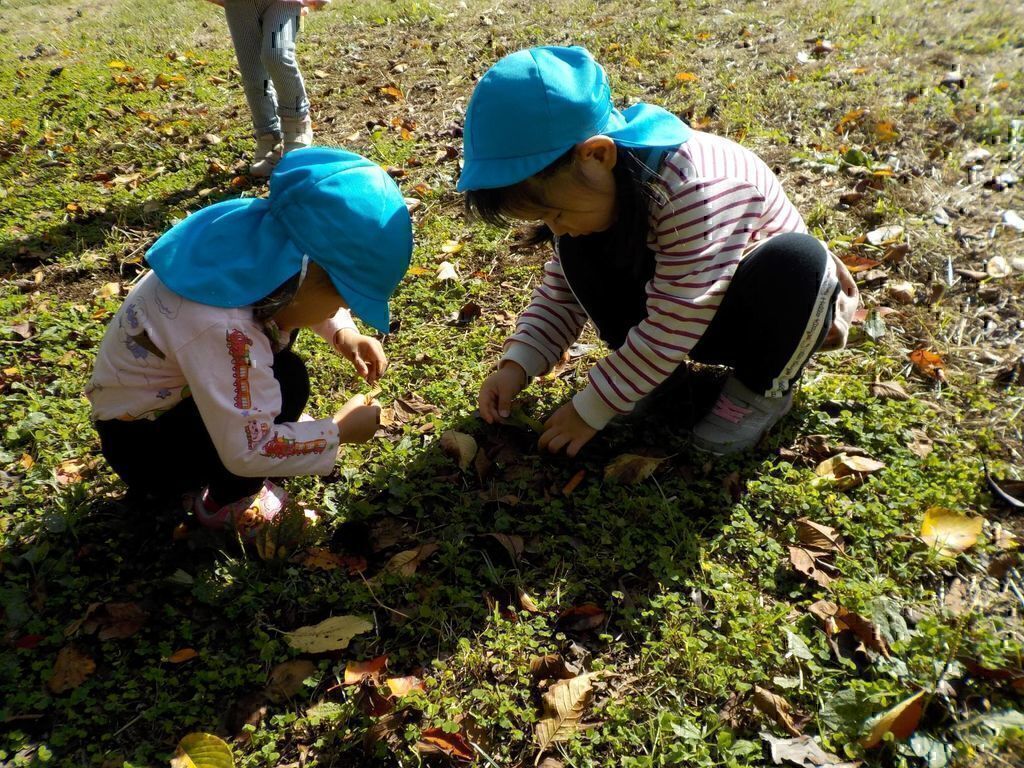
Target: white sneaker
739	419
298	132
268	152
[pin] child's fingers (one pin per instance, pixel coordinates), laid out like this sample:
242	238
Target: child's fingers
504	403
485	403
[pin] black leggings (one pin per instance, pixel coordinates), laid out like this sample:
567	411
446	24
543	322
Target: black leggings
774	298
174	453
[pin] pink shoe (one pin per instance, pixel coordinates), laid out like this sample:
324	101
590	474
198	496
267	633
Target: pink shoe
247	515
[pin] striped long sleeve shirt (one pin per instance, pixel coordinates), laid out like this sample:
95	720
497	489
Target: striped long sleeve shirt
717	199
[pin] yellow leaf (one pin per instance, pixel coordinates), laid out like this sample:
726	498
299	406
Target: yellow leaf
109	290
900	721
416	271
331	634
202	750
117	64
405	563
563	707
400	686
452	246
459	446
950	532
630	468
183	655
686	77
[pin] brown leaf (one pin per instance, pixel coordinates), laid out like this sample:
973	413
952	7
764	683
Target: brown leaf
405	563
928	364
248	710
400	686
286	679
459	446
889	390
110	621
581	618
70	670
370	670
837	620
513	544
562	708
574	482
919	444
631	468
900	721
321	559
847	471
434	741
183	655
817	536
809	563
551	666
776	708
469	312
527	603
371	701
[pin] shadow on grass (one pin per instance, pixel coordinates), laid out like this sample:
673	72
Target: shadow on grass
609	547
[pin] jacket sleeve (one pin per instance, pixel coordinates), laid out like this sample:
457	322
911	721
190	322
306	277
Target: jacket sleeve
698	237
229	371
549	325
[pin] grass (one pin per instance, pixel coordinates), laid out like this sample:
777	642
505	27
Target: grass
690	568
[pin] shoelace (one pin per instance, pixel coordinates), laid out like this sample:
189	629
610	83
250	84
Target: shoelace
728	410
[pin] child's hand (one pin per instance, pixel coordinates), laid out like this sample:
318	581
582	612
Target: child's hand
365	353
357	420
565	429
498	391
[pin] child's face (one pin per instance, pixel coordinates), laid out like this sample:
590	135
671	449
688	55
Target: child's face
315	301
580	198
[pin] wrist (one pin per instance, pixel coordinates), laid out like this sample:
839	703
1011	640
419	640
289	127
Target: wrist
515	369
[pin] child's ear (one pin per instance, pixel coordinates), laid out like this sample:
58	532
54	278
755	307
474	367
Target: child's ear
599	148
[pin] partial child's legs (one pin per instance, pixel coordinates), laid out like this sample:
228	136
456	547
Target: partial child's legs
775	315
280	31
174	453
247	32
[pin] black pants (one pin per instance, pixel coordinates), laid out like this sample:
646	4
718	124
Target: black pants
758	328
174	453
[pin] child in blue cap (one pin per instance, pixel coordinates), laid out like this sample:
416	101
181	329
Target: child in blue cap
195	385
675	243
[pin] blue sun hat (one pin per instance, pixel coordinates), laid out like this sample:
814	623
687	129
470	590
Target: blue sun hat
338	209
532	106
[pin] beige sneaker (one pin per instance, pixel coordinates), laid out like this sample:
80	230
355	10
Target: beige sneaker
268	152
298	132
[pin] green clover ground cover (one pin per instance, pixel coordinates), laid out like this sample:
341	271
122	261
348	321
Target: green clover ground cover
679	591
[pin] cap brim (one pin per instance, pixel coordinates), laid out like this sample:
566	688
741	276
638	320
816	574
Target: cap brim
640	126
374	312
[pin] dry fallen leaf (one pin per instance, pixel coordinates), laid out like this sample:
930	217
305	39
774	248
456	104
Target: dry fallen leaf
331	634
435	741
70	670
812	564
405	563
551	667
182	655
320	559
847	471
776	708
818	536
512	543
885	235
889	390
928	364
950	532
581	618
837	620
562	708
459	446
286	679
446	272
359	671
900	721
400	686
630	468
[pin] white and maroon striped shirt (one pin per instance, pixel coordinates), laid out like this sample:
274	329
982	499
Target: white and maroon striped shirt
718	199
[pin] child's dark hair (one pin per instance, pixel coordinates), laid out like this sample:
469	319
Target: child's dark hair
633	195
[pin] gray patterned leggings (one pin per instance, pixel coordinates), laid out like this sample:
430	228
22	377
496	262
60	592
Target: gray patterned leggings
263	33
